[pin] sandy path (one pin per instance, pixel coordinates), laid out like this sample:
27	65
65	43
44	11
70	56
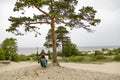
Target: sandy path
15	66
111	68
33	71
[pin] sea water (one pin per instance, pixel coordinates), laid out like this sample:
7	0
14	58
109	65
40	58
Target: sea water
34	50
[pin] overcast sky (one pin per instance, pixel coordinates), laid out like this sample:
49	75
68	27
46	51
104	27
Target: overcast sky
105	34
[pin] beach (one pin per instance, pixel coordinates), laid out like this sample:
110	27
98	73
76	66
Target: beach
110	68
31	50
66	71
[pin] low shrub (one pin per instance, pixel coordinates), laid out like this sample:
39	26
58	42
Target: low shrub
76	58
49	54
16	58
2	55
87	59
98	53
98	57
59	53
117	58
82	54
22	57
32	57
65	59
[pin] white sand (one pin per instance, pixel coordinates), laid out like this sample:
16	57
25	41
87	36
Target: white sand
68	71
111	68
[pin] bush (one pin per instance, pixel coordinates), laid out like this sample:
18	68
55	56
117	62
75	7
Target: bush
22	57
65	59
33	57
70	50
59	53
76	58
111	52
98	53
49	54
9	45
87	59
2	55
15	58
98	57
117	58
83	54
116	51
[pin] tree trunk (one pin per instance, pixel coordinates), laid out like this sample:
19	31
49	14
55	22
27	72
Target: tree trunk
54	56
62	48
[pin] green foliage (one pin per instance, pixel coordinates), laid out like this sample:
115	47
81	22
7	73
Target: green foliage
15	58
59	53
98	53
9	46
48	43
82	53
104	49
49	55
70	49
95	57
98	57
33	57
87	59
22	57
117	58
57	12
65	59
116	51
113	51
76	58
110	52
61	37
2	55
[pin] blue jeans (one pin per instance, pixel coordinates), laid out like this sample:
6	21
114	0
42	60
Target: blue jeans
43	62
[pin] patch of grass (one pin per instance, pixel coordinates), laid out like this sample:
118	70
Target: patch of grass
88	59
65	59
117	58
76	58
98	57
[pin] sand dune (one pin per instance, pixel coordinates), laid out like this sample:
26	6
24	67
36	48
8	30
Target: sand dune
111	68
68	71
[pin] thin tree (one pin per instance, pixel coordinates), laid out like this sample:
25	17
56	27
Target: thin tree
57	12
62	38
48	42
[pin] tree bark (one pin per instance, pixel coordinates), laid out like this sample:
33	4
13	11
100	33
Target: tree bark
62	48
54	56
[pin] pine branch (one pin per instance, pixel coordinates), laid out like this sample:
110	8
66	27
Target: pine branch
37	23
42	11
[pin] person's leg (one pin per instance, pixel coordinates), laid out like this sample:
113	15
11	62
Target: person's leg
41	62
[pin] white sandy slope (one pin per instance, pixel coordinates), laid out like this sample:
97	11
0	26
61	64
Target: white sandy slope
68	71
111	68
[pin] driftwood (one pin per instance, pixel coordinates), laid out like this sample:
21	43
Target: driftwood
4	62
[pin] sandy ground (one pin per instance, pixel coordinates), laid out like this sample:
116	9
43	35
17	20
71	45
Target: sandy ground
67	71
111	68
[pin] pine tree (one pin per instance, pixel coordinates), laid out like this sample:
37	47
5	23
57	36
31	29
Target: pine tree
57	12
